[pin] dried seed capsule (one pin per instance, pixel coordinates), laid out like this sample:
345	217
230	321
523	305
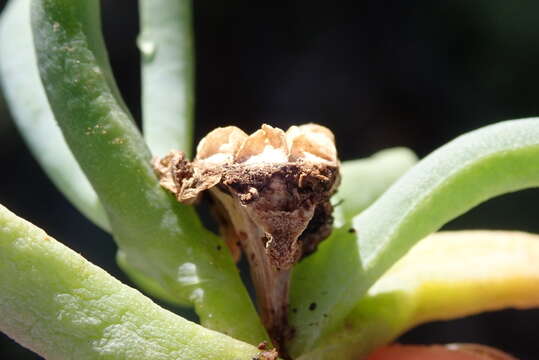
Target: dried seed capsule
272	191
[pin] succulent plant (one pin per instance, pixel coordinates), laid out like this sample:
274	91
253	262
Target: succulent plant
345	256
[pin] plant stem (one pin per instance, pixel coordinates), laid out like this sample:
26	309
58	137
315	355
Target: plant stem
271	284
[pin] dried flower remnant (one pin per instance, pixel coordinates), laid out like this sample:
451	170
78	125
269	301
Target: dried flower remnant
272	192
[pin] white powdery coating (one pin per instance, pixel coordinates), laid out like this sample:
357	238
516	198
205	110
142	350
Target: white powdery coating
187	274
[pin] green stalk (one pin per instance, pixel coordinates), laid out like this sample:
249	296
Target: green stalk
166	46
471	169
27	100
61	306
159	237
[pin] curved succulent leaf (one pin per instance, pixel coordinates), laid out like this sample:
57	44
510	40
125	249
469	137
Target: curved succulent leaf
160	237
24	92
166	46
22	88
61	306
491	161
445	276
146	283
364	180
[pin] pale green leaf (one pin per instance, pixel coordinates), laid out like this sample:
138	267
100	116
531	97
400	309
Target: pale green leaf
167	50
62	307
28	103
364	180
445	276
475	167
160	237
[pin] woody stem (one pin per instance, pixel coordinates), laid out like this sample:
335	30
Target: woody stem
271	283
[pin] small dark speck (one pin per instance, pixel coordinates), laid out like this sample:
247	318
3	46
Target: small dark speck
325	315
294	310
312	306
219	247
292	332
352	231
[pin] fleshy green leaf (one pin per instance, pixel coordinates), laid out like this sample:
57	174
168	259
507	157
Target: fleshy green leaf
22	88
147	284
364	180
61	306
28	102
159	236
477	166
166	46
445	276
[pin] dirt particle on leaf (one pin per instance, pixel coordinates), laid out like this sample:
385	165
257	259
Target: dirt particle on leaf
352	231
338	203
312	306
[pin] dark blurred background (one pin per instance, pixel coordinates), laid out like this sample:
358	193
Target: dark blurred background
379	73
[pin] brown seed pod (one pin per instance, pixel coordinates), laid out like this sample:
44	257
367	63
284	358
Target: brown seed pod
272	192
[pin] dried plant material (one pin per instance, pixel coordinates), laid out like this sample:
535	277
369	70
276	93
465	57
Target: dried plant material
311	142
267	145
221	145
271	191
283	181
184	179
